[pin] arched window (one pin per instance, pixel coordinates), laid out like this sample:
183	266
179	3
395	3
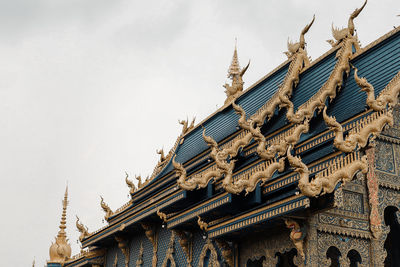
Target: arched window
286	259
392	243
334	254
354	257
255	263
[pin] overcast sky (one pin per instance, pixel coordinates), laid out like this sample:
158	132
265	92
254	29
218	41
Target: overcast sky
90	89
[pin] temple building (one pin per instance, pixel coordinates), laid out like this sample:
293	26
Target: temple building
300	169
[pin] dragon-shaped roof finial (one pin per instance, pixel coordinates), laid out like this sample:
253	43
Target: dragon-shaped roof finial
61	250
82	229
340	34
130	184
236	74
294	47
106	209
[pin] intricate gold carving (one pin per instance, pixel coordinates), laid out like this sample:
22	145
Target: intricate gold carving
60	251
130	184
342	169
295	47
370	125
281	143
335	80
185	240
235	73
213	255
388	96
262	173
123	246
106	209
185	127
82	229
297	236
170	252
226	251
151	233
342	34
139	261
162	216
161	153
373	190
299	60
202	224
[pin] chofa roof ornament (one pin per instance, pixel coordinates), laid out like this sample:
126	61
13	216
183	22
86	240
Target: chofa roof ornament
340	34
301	44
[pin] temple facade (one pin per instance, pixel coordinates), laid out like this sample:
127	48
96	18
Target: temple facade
300	169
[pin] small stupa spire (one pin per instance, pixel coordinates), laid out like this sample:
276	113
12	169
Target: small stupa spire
234	68
235	74
61	250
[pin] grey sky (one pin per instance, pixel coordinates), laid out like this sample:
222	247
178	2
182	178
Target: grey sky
91	88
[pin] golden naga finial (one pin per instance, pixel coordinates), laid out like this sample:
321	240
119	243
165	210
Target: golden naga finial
162	216
106	209
60	251
295	47
340	34
139	179
202	224
236	74
185	124
82	229
130	184
161	153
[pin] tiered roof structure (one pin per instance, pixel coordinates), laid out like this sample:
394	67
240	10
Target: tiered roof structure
275	155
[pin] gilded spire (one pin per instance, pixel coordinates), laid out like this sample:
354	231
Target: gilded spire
234	68
61	250
235	73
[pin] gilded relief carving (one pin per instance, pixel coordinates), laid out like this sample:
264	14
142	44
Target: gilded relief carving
151	233
371	125
342	169
170	253
139	261
388	96
385	158
186	242
297	236
213	260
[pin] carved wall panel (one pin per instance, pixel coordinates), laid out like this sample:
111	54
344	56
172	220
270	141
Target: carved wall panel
385	157
344	244
265	245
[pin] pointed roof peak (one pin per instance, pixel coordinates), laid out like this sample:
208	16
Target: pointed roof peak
234	68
